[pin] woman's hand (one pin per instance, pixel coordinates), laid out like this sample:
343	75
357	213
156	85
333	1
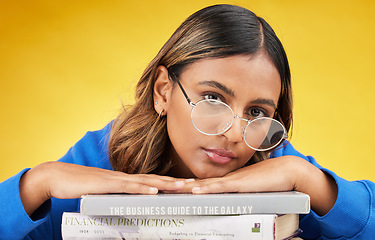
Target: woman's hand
64	180
277	174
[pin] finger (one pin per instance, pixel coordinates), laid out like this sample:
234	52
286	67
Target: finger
189	184
157	181
122	174
216	186
126	186
167	178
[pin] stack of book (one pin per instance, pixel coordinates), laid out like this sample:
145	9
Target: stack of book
253	216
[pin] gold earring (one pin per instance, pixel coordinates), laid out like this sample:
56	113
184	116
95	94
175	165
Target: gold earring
161	112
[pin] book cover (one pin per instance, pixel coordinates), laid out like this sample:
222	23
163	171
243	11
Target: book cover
189	204
244	227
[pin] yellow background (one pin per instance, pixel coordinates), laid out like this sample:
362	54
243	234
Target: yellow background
65	65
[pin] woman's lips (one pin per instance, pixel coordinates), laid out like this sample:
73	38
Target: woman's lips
219	155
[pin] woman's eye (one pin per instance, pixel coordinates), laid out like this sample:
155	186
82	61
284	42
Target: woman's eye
212	97
256	113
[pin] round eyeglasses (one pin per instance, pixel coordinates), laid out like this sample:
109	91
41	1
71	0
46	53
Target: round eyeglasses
213	117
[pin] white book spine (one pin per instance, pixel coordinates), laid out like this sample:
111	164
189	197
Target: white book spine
190	204
251	227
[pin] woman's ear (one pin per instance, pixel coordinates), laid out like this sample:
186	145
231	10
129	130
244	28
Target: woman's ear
162	89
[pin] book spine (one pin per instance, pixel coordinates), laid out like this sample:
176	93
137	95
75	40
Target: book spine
251	227
210	204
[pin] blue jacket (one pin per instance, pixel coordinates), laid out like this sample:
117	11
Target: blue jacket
352	217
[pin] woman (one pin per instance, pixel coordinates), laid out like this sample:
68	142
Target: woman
212	112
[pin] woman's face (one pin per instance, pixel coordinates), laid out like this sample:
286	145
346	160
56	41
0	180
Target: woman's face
248	84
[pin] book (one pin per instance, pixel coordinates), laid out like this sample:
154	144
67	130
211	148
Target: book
245	227
190	204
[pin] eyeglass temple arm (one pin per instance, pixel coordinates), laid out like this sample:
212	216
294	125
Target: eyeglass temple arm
183	91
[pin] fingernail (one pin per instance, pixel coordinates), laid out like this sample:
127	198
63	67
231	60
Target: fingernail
196	190
153	190
190	180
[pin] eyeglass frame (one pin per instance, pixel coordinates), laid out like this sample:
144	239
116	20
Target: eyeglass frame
193	105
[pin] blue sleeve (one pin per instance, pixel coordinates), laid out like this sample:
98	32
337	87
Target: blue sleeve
353	214
45	223
15	223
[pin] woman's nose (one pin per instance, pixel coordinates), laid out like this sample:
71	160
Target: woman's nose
235	132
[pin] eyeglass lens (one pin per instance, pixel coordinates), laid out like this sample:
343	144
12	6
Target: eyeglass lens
213	117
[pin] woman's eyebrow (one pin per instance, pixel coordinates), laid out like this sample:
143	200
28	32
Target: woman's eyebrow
268	102
219	86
